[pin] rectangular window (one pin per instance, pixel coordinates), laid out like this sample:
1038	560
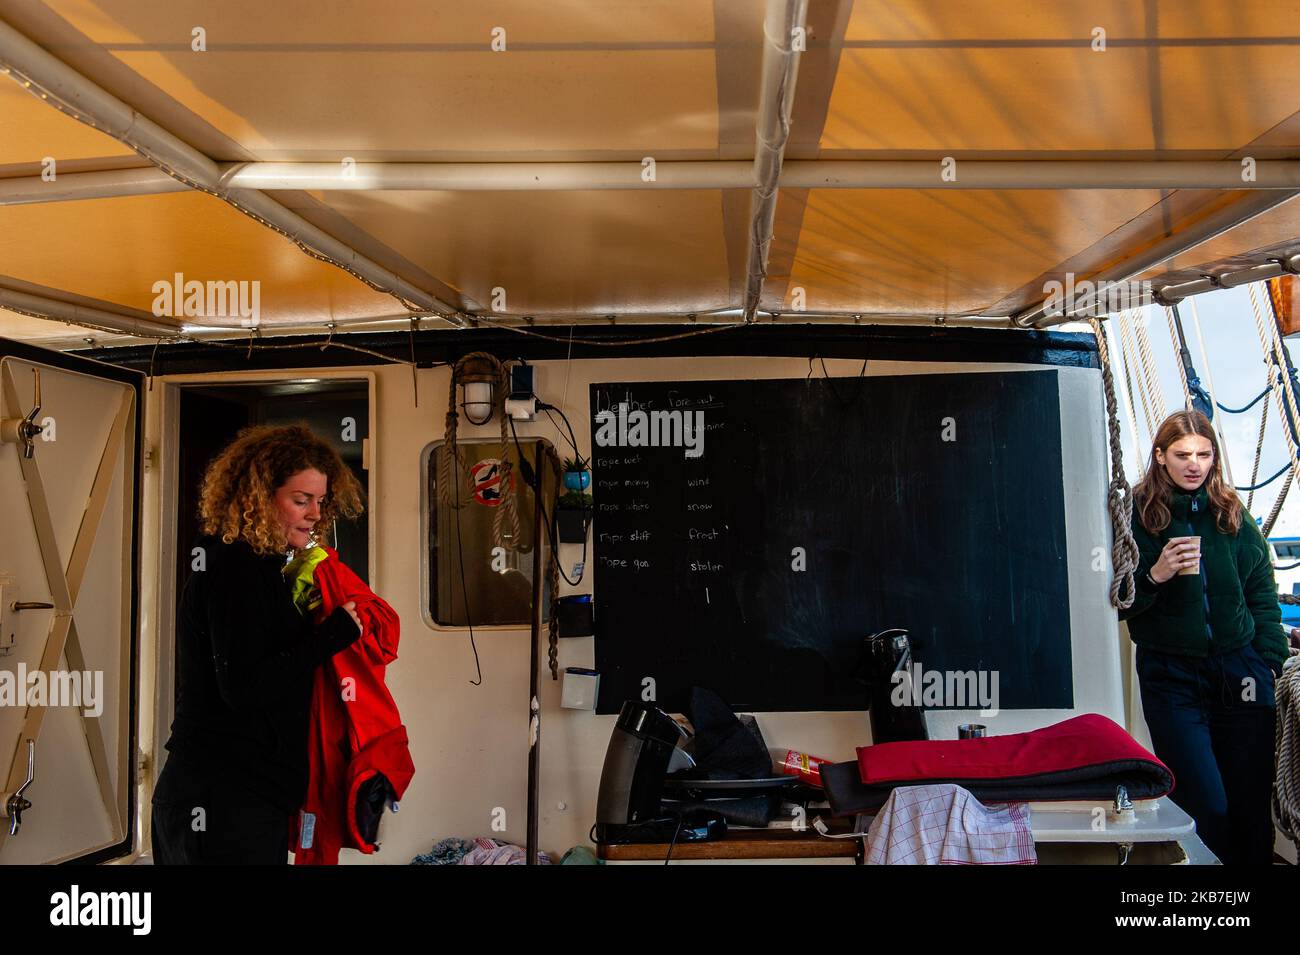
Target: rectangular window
468	580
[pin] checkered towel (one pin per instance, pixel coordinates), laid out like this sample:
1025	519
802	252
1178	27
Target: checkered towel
944	824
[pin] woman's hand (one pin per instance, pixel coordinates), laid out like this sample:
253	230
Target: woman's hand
351	608
1179	554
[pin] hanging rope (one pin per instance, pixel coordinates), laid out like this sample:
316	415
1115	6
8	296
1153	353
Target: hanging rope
553	573
1130	349
1277	507
1129	404
1124	550
1176	341
1252	488
505	516
1283	395
1259	453
1253	401
1148	364
1286	783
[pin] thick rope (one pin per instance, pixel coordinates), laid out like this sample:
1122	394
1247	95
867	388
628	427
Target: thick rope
1124	550
1277	507
1129	349
553	574
1259	453
1286	783
1149	373
1129	401
1280	384
505	516
1178	358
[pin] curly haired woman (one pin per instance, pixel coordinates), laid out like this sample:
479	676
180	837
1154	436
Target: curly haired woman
238	766
1209	639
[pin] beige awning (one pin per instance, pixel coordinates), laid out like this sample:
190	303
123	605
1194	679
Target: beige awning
643	84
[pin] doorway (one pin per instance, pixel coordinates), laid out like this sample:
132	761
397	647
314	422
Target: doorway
210	416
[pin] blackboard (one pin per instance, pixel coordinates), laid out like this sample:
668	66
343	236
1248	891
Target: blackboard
929	502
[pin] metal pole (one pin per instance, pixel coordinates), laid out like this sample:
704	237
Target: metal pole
674	175
772	130
534	707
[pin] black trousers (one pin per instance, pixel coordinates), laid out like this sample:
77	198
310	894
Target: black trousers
1212	723
199	821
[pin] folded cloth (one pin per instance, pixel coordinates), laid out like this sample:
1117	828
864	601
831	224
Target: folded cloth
945	825
1086	757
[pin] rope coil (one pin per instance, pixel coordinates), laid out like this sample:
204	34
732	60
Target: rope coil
1286	782
1124	549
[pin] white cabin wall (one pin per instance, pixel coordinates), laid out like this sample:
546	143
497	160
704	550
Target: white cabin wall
469	743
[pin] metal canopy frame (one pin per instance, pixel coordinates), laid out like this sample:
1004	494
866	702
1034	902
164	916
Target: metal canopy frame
177	166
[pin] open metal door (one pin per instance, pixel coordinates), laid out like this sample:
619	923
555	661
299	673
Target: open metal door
69	512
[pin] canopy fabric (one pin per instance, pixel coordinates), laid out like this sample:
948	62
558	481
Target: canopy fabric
509	81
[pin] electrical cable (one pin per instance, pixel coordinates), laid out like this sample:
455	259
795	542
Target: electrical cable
577	454
607	344
582	465
669	857
861	376
548	520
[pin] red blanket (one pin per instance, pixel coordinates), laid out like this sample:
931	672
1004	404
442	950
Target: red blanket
1083	758
1087	740
355	730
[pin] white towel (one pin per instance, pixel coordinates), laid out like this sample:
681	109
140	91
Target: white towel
945	825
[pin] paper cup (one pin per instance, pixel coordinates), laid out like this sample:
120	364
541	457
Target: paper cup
1192	571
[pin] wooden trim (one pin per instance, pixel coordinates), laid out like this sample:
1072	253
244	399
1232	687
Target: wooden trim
740	844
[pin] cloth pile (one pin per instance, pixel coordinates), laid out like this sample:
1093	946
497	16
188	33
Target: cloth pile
1087	757
945	825
454	851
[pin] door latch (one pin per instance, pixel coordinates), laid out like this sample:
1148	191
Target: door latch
9	607
15	805
23	431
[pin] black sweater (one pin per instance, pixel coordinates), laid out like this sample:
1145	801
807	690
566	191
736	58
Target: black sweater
246	663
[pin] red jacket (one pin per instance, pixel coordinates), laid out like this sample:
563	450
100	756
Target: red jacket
355	730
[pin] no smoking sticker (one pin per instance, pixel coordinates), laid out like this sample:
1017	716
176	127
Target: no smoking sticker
486	477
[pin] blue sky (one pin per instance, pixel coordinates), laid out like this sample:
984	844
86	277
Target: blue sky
1236	374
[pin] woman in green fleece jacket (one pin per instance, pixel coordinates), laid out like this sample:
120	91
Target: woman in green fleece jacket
1209	638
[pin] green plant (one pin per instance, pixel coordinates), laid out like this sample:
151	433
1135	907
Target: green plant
575	500
573	464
